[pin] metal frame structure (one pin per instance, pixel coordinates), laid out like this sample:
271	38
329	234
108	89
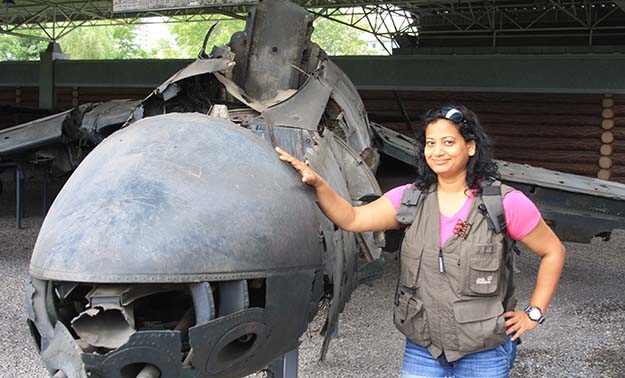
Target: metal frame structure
57	18
412	23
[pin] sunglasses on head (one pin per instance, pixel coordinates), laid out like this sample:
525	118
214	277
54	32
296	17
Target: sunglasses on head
451	114
448	112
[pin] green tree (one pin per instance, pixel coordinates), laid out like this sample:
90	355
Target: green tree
102	42
190	35
21	48
164	49
338	39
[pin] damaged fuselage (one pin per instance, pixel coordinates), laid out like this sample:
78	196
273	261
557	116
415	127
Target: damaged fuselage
182	246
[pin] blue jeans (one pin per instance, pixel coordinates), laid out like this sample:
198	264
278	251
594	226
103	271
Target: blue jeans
490	363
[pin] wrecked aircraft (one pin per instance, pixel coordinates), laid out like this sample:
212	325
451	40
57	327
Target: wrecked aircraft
182	247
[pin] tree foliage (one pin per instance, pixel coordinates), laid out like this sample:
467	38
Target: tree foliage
120	42
94	42
338	39
103	42
190	35
21	48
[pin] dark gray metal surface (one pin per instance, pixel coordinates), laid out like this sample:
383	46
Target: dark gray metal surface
166	188
275	50
106	118
33	134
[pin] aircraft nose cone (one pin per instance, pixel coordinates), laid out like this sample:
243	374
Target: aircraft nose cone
175	198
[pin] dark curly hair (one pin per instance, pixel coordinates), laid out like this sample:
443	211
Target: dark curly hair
481	166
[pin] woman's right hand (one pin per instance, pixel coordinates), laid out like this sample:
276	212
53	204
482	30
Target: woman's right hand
378	215
309	176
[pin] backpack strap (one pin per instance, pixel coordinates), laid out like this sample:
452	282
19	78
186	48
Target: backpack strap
407	211
492	209
493	206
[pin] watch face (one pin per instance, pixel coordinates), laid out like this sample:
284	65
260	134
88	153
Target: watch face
534	313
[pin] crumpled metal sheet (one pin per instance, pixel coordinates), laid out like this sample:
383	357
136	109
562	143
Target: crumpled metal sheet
238	93
104	327
304	109
35	302
347	97
105	118
63	354
198	67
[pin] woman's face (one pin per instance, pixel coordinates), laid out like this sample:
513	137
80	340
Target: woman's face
446	151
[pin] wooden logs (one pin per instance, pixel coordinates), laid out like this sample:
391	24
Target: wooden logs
605	161
607	124
606	150
607	137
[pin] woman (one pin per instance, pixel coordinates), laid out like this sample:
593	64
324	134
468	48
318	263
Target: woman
454	301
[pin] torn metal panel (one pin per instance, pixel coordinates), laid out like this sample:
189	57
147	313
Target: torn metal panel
361	183
395	144
198	67
33	134
38	314
106	323
63	354
239	94
346	96
104	327
303	110
105	118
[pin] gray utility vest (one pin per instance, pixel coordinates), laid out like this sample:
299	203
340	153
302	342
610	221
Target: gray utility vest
452	299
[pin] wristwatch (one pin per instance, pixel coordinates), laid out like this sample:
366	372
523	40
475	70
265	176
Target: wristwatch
535	314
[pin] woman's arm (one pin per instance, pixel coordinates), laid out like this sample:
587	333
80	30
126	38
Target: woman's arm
378	215
544	243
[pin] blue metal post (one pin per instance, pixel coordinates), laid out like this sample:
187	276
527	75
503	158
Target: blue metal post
285	367
19	181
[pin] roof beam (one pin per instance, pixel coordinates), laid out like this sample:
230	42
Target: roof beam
620	4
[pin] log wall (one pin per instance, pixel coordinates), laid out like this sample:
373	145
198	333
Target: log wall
577	133
617	170
565	132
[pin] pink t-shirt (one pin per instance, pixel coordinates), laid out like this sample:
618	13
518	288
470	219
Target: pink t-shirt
522	215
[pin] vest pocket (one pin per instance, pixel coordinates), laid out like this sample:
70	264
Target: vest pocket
480	324
410	265
482	270
410	319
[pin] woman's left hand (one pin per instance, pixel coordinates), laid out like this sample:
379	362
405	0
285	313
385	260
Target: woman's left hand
518	322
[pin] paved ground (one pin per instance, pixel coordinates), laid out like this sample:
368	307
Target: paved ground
584	335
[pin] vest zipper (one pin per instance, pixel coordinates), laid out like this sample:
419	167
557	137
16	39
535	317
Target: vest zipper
441	263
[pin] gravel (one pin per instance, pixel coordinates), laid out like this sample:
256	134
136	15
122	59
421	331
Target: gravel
583	336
